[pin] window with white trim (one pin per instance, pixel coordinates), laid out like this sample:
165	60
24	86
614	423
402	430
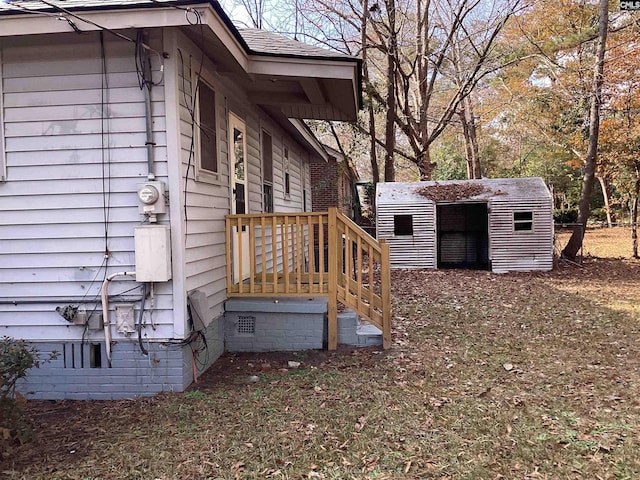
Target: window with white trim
3	158
286	165
207	134
267	172
303	175
522	221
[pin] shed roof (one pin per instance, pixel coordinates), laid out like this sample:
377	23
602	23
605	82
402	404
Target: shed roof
489	188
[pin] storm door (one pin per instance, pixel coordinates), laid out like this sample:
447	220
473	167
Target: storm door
239	195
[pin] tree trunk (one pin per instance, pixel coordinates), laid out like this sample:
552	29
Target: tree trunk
373	157
606	195
634	219
575	242
425	167
469	131
467	145
477	166
390	130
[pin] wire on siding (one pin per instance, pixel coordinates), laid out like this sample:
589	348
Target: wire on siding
191	107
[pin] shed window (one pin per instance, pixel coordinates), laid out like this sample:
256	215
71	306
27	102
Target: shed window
402	225
523	221
207	133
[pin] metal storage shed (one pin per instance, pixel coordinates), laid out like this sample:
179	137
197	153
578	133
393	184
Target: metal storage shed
503	224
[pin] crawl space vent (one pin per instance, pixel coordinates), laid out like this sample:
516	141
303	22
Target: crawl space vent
246	324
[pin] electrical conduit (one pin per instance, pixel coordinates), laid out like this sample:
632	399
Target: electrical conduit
105	309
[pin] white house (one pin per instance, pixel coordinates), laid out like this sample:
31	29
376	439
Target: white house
129	129
503	224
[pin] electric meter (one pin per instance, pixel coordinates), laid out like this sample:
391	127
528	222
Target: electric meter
148	194
151	197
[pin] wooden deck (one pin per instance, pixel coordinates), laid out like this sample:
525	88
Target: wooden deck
310	254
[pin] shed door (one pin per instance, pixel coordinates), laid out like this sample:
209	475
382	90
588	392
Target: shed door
463	236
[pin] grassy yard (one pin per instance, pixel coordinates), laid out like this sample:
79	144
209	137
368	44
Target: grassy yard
518	376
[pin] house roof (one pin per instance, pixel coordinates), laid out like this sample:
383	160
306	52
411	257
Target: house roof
448	191
18	6
261	41
255	40
282	75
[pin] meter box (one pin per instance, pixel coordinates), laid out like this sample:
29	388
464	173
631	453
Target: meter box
153	253
151	198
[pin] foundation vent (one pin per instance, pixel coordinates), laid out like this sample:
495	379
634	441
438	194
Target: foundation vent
247	324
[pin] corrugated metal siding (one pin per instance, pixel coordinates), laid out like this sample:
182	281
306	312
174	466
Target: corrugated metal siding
508	250
51	215
524	250
418	250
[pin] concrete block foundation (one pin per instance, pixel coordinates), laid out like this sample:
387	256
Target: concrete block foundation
80	371
290	324
267	325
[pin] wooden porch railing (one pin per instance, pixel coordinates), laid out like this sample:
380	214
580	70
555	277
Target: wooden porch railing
311	254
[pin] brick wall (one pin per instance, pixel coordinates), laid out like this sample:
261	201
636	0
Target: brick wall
324	185
330	187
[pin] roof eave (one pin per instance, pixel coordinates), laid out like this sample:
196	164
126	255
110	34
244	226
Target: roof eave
310	138
254	63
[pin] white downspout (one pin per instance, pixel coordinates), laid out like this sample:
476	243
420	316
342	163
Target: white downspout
105	310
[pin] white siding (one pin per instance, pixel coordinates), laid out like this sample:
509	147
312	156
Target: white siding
209	202
52	207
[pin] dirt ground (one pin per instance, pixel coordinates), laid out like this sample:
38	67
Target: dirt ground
527	376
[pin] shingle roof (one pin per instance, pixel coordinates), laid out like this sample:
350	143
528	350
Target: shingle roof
261	41
256	41
18	5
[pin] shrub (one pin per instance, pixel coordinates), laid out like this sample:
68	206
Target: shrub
16	359
565	216
598	215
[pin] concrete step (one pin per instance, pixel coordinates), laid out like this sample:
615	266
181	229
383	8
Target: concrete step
368	335
352	330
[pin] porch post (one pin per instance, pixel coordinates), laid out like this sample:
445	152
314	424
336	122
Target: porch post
385	273
332	308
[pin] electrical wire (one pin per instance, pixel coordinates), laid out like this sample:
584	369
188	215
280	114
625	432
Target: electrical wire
145	291
143	63
194	18
105	151
90	22
191	107
106	184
